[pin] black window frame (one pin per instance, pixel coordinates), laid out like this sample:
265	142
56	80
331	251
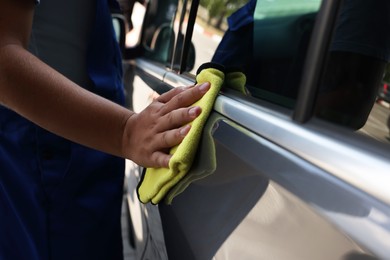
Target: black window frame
316	60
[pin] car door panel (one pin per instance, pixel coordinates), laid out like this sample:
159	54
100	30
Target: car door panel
273	149
243	194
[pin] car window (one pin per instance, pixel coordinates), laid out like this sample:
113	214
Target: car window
158	33
180	28
164	30
353	88
210	26
266	40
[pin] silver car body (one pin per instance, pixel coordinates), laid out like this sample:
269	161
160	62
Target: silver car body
285	187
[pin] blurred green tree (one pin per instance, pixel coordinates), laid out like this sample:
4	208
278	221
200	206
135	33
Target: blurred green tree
220	9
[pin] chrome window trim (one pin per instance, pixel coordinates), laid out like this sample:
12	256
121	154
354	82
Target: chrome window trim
315	141
175	80
156	70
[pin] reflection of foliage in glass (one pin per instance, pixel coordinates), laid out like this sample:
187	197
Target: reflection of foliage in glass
220	9
279	8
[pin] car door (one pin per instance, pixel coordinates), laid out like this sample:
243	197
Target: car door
296	166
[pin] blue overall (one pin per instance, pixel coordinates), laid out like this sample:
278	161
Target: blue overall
58	199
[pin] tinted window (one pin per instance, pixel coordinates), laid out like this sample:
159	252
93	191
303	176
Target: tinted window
158	33
267	40
282	31
183	61
210	26
352	89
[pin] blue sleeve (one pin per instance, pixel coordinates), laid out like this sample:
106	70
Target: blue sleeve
362	31
242	16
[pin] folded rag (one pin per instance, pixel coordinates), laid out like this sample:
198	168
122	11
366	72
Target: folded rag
204	163
235	79
156	182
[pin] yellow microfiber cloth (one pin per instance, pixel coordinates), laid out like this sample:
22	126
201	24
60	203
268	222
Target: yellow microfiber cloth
204	163
156	182
236	79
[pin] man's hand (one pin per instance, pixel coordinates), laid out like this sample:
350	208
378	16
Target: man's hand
149	135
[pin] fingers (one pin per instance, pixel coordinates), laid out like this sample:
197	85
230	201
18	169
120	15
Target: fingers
161	159
178	118
171	138
182	97
165	97
168	140
162	125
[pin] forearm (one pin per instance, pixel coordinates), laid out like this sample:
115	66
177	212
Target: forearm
42	95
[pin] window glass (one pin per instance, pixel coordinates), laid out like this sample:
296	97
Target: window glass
180	28
210	25
158	33
266	40
280	8
354	89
